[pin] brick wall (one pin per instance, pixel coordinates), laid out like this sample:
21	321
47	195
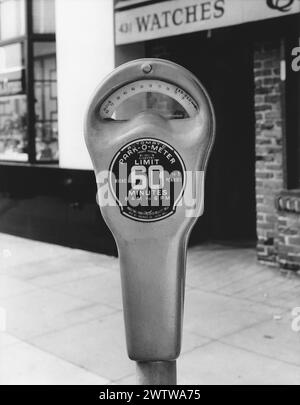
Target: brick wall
269	151
288	243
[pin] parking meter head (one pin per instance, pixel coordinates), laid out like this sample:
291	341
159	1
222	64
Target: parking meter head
149	130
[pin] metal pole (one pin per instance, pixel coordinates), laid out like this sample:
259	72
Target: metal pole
156	372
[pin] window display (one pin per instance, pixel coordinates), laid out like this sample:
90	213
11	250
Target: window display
45	101
13	104
12	19
43	16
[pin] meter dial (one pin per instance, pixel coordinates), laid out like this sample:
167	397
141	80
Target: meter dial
158	96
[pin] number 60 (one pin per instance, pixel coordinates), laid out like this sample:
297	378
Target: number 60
140	179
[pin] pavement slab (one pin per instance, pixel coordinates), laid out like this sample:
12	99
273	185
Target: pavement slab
23	364
61	318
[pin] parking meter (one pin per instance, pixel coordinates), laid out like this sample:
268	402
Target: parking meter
149	130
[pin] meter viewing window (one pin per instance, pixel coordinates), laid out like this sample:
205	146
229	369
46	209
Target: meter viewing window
157	96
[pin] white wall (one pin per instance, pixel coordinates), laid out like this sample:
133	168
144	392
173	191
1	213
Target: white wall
85	55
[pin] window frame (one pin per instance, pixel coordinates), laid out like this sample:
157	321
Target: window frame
27	40
46	161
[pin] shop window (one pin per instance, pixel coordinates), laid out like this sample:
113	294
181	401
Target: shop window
13	104
12	19
43	16
28	94
46	134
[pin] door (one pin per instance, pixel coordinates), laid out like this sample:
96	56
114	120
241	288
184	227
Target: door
225	68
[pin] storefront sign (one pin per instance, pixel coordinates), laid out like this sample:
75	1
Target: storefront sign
144	20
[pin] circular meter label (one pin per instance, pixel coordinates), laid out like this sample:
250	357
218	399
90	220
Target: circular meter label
147	179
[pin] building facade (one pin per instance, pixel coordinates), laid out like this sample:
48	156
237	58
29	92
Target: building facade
244	52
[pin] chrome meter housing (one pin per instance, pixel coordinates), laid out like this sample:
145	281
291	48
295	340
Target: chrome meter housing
149	128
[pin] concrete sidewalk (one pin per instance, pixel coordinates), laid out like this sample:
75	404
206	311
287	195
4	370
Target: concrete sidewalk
64	320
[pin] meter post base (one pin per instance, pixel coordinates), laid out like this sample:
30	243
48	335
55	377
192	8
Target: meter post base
156	372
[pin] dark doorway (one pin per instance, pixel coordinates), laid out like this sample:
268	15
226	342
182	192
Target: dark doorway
225	67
